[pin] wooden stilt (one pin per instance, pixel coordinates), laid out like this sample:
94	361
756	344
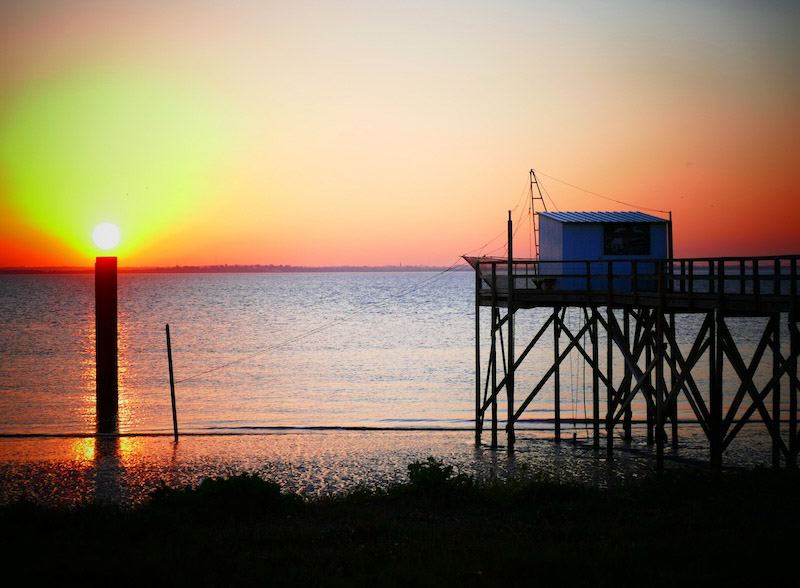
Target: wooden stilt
595	382
715	393
510	377
656	316
478	413
609	389
775	327
649	386
659	351
495	319
626	427
673	405
557	376
106	346
794	349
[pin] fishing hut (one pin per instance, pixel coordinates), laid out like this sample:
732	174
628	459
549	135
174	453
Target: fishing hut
617	270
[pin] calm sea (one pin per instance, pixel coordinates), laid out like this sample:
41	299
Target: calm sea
257	352
299	350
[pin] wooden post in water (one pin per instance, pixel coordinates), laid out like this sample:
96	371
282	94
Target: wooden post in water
478	415
172	386
716	357
626	426
595	380
510	377
650	419
672	378
659	358
105	300
794	349
775	324
495	320
557	374
610	403
609	367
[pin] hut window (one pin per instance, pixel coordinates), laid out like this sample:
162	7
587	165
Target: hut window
626	239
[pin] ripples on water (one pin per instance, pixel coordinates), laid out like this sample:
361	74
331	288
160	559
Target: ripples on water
316	349
387	360
65	471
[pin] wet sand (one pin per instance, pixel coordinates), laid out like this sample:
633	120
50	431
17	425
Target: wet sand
125	470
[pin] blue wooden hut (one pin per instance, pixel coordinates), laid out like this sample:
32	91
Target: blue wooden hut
577	243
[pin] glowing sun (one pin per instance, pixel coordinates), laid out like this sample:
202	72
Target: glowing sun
105	235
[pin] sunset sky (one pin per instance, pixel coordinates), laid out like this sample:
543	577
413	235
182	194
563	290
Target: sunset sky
338	132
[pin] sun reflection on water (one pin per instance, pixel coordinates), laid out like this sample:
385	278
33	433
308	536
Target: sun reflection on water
125	378
87	410
83	450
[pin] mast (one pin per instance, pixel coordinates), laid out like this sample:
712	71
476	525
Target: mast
537	195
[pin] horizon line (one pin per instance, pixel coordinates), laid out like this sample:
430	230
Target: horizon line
223	268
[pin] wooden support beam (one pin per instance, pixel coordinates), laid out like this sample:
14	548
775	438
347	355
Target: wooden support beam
478	412
495	320
510	376
609	388
660	392
626	379
542	330
685	380
495	314
646	388
632	361
497	387
747	376
673	403
715	393
588	358
752	408
794	349
794	343
775	324
549	373
557	381
739	366
595	381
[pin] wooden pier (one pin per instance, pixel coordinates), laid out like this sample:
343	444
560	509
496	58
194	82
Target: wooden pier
636	304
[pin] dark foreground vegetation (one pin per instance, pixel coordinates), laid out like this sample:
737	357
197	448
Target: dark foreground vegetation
675	528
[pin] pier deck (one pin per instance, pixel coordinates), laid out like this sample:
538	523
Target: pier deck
637	302
754	286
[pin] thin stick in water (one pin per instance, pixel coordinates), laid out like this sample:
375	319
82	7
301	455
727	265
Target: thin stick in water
172	386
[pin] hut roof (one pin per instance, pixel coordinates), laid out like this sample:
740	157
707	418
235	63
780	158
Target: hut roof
602	217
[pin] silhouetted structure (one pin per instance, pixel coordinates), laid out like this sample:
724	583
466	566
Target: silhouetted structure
637	310
105	297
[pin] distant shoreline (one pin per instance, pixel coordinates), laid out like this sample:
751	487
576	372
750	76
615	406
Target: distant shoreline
226	269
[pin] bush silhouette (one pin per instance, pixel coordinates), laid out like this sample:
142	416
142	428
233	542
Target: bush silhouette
433	475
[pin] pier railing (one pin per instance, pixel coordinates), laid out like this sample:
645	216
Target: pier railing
752	282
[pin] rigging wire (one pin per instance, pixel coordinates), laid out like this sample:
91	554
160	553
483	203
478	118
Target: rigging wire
530	232
521	198
550	198
489	242
601	195
427	281
414	287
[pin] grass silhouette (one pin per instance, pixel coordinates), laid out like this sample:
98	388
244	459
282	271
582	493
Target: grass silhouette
439	528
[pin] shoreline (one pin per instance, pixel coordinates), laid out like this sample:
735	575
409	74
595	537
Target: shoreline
124	470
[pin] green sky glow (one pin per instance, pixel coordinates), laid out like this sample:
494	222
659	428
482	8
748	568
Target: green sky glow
100	146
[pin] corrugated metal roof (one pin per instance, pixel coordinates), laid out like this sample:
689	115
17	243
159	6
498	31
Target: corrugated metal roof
602	217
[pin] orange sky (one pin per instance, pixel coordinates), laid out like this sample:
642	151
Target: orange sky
332	133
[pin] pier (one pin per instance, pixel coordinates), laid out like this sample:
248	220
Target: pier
633	307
